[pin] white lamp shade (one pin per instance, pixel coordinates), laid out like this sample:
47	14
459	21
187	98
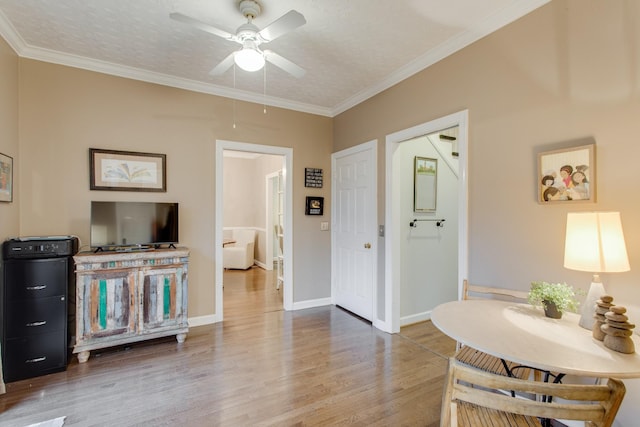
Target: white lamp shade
595	243
249	59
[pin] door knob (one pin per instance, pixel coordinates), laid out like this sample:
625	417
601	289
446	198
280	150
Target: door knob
367	245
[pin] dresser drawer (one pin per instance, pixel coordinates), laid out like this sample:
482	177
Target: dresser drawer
35	355
36	316
36	278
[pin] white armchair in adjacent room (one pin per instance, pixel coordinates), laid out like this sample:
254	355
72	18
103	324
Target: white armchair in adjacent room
239	254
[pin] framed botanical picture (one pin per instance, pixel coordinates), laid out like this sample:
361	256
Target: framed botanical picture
127	170
567	175
6	178
314	206
425	184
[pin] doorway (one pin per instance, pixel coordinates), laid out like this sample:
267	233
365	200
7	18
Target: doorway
287	155
395	222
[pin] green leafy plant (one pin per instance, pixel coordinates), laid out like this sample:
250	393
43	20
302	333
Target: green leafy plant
561	294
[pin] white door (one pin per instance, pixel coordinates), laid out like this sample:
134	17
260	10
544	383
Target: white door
354	229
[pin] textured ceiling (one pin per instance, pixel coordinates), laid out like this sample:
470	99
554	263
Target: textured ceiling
350	49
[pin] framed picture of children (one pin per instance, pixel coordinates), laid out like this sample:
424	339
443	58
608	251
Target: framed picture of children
567	175
6	178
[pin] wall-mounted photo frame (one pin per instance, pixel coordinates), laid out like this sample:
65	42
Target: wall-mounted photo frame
567	175
127	171
6	178
314	205
425	184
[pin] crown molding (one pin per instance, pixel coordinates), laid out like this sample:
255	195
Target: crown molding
9	33
133	73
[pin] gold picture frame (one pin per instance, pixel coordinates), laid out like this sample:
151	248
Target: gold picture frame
127	171
425	184
567	175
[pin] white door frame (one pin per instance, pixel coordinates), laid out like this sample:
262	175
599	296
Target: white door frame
287	169
269	219
392	211
373	146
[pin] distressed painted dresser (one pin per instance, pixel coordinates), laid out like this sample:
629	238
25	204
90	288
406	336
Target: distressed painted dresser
124	297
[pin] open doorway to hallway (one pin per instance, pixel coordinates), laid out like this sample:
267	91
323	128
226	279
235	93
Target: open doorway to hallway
428	170
253	225
241	199
400	227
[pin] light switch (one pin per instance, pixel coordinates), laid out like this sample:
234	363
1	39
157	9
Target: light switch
324	226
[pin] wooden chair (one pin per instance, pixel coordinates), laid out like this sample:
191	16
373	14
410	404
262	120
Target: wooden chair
478	359
470	399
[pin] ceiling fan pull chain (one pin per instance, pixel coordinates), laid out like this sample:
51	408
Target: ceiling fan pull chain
264	90
234	100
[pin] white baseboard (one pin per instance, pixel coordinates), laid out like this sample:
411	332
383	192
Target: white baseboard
415	318
301	305
214	318
383	326
321	302
203	320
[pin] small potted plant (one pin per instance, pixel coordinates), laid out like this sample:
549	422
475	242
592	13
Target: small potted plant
555	298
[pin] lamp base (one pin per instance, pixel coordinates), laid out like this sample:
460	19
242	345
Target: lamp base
596	290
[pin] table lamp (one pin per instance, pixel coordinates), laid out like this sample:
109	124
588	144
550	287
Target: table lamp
594	242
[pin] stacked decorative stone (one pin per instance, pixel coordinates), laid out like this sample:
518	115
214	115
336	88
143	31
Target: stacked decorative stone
618	330
602	307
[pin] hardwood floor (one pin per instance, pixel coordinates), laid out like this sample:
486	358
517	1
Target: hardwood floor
261	366
250	292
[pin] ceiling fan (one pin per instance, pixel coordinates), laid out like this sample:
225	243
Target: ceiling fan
251	57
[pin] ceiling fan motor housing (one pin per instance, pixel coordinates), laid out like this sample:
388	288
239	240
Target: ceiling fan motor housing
247	31
249	8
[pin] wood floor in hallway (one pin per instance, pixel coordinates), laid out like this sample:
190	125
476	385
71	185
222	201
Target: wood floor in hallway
262	366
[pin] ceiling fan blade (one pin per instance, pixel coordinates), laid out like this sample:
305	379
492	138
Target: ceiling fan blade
222	67
287	22
202	26
284	64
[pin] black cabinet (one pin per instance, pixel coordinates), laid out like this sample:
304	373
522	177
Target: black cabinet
34	314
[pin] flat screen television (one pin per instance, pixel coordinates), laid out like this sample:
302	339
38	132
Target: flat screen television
122	225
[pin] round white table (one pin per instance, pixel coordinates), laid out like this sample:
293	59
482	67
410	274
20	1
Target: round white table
521	333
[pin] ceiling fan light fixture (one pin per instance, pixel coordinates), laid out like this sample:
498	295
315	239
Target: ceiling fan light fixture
249	59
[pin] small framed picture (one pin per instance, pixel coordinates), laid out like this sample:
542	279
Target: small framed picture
127	170
314	206
6	178
313	177
567	175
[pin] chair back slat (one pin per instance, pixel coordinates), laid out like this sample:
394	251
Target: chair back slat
470	291
597	404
